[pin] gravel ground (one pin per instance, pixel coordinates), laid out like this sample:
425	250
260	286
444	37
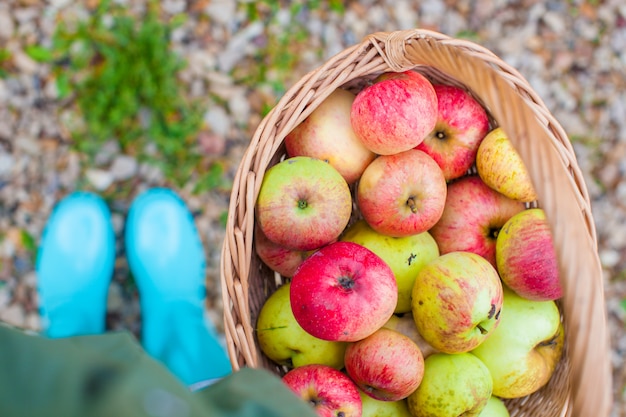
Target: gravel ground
572	52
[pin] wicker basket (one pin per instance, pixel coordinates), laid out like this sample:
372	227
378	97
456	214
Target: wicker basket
581	385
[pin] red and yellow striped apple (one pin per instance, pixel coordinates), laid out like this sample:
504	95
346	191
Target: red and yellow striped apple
329	391
526	258
395	113
278	258
473	217
402	194
327	134
462	123
386	365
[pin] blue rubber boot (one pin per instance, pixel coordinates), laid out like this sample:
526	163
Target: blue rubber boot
74	266
167	259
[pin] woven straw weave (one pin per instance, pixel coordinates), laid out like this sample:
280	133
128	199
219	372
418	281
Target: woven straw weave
581	384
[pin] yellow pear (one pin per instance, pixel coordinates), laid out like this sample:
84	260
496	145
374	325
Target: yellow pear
501	167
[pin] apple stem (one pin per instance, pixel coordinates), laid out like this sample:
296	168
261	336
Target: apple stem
440	135
302	204
482	329
412	204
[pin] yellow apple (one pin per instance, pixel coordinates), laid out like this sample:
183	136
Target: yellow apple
404	255
495	408
454	385
523	351
501	167
378	408
283	340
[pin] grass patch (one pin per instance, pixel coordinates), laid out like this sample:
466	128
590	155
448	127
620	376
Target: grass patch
123	76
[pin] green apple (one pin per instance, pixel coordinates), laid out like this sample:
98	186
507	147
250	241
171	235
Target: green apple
495	408
501	167
453	385
405	324
283	340
377	408
522	353
404	255
456	301
303	203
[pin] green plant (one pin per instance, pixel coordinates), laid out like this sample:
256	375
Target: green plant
5	57
122	73
39	53
277	64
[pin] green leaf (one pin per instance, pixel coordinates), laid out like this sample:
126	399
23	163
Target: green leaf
63	85
224	219
5	55
28	241
39	53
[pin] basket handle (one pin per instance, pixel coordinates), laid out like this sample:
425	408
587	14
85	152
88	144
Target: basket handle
546	150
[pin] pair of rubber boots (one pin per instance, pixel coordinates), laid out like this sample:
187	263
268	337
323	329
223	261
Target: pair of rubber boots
165	254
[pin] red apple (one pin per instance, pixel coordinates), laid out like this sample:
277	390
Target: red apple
329	391
303	203
462	123
386	365
395	113
473	216
402	194
526	258
343	292
278	258
327	134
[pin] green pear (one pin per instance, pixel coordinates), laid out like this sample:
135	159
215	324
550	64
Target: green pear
404	255
378	408
523	351
495	408
283	340
454	384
